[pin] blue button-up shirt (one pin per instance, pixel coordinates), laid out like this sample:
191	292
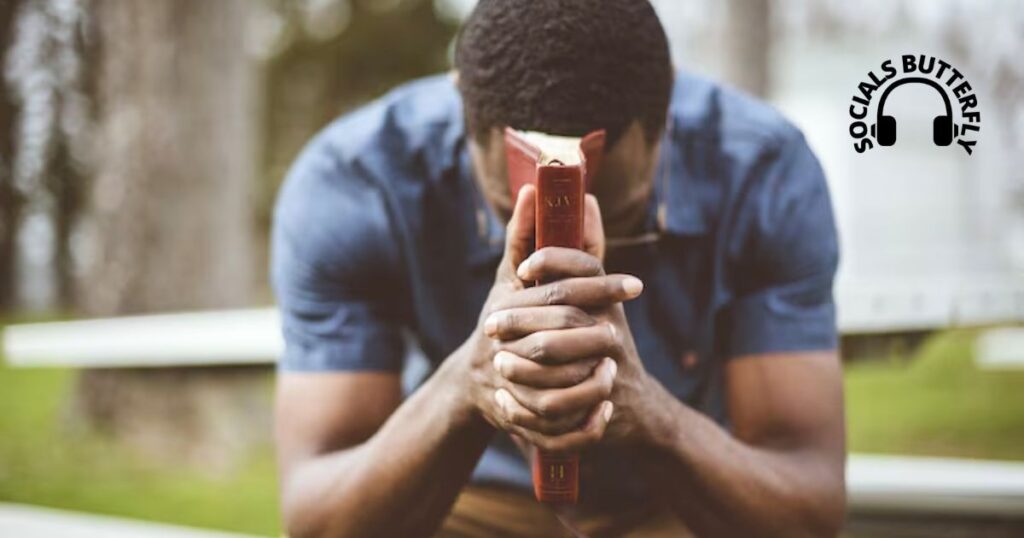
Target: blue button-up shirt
380	231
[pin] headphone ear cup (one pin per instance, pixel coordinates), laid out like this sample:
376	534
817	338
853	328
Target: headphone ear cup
942	130
886	130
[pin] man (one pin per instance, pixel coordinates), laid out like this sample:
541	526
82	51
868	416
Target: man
689	353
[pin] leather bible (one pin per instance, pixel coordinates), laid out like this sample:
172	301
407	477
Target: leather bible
561	168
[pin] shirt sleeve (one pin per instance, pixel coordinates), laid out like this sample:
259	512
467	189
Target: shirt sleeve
335	270
786	253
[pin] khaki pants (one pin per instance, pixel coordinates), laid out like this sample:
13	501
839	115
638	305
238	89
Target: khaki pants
496	512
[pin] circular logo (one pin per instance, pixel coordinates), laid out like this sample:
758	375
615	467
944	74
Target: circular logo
959	124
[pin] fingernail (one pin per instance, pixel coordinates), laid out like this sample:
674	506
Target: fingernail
607	411
614	368
499	360
502	397
632	286
491	325
523	270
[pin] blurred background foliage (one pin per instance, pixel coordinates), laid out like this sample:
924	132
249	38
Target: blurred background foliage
141	146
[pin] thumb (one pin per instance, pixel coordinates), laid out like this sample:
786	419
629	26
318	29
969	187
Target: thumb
519	235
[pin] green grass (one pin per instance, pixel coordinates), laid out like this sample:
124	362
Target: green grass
934	403
42	461
938	404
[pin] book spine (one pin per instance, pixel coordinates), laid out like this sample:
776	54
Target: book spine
560	198
560	192
556	476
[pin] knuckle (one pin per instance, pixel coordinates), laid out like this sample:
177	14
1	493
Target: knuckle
548	427
537	350
494	307
578	373
527	434
566	316
508	322
516	417
573	317
502	419
546	406
570	423
610	286
554	294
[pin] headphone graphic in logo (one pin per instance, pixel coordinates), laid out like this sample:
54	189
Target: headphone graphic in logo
957	94
943	128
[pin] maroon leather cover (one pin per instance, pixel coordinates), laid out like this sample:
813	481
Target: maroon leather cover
592	147
560	197
521	159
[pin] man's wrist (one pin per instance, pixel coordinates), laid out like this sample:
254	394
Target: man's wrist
659	420
453	381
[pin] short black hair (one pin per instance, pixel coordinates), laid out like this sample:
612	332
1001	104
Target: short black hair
565	67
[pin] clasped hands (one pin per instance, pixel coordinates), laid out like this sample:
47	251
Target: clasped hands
555	364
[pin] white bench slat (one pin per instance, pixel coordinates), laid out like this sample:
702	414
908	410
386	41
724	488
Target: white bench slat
26	521
1000	349
935	485
198	338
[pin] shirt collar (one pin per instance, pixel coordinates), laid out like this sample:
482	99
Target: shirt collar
688	193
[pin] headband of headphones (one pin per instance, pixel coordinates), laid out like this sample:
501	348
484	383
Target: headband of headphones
921	80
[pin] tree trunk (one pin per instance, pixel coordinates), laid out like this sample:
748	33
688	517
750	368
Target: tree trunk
747	40
10	201
171	211
65	186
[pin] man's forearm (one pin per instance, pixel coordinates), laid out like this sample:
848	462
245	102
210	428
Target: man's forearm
415	466
722	486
